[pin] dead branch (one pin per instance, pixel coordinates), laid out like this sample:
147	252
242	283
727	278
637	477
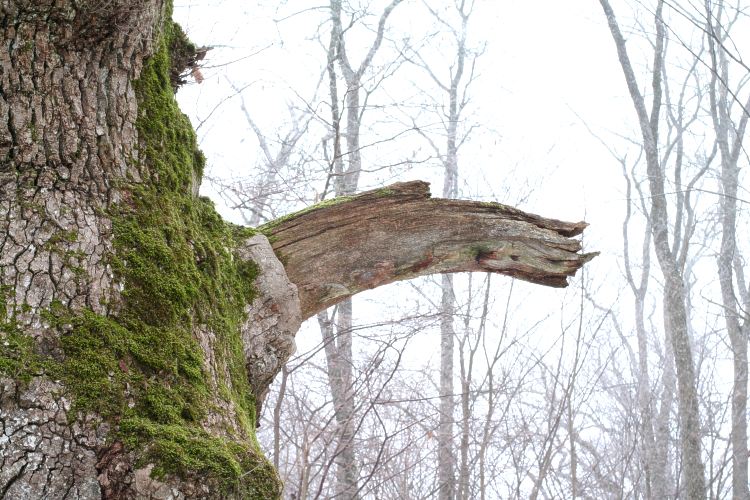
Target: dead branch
339	248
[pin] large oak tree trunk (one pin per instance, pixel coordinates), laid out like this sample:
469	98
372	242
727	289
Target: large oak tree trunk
133	349
139	332
67	127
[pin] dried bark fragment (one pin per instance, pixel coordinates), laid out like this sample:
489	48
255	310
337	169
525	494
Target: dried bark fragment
396	233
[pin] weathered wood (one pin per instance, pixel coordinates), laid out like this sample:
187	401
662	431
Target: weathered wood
337	249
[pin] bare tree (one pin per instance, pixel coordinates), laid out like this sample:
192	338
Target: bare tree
279	174
455	91
729	137
346	168
674	288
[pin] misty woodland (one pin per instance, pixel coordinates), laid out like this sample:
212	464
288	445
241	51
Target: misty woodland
259	300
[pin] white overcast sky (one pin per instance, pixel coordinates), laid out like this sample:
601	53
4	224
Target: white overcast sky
549	74
548	67
549	79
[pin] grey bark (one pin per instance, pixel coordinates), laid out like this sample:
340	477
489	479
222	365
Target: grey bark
277	417
675	315
273	318
63	131
446	459
729	137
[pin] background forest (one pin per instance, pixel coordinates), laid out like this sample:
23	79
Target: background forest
632	383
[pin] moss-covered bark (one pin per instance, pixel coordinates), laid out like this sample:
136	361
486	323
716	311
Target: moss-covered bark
156	365
174	257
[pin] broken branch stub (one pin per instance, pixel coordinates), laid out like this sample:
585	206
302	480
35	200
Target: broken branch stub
342	247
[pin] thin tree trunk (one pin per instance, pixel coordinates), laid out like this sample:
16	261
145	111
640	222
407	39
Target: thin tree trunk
662	426
729	138
347	470
446	477
654	472
466	410
346	183
277	416
573	453
446	460
675	315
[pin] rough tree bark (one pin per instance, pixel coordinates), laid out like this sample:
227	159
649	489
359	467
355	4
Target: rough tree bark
138	331
124	299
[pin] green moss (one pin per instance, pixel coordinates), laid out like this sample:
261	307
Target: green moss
479	250
385	192
18	357
492	204
506	209
269	227
143	369
173	448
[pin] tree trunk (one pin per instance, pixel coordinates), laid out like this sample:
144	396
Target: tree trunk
68	114
674	302
134	348
729	137
654	471
446	458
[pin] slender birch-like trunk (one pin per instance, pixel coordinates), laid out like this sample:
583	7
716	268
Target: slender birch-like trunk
674	299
